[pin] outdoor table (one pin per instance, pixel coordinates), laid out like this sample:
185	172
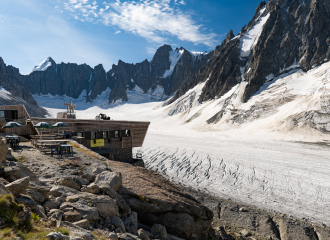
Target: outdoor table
66	148
54	141
13	141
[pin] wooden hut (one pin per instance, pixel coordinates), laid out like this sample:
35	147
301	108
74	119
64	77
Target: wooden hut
18	114
112	139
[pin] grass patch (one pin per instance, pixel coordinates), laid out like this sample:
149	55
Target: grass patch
86	152
64	231
75	145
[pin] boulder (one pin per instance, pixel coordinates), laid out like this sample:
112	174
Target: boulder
93	188
81	181
40	187
143	234
127	236
57	236
118	223
131	223
51	205
113	236
114	179
159	231
19	186
28	202
105	205
157	200
98	170
89	212
26	172
106	189
3	190
9	173
83	224
84	235
72	216
4	181
69	182
36	196
89	177
58	191
9	156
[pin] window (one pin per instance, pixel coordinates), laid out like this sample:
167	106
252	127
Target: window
2	114
127	133
105	134
93	135
116	134
80	134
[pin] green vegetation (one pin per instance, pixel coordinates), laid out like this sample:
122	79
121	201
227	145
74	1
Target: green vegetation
35	217
21	223
9	210
64	231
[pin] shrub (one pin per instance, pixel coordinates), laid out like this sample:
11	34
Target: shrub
9	209
35	217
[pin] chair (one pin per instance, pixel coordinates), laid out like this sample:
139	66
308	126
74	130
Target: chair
53	149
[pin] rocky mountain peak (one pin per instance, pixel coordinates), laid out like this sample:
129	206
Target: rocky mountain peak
260	6
49	62
282	36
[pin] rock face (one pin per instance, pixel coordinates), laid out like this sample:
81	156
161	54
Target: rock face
87	202
160	77
114	179
156	200
10	80
19	186
286	34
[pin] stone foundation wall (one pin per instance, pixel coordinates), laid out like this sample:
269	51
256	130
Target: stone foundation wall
123	155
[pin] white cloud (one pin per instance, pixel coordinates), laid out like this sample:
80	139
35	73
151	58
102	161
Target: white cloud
154	20
117	32
151	50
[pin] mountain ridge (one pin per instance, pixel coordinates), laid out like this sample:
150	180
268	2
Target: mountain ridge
168	69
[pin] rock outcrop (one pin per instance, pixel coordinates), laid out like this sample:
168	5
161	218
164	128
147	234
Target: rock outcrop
156	200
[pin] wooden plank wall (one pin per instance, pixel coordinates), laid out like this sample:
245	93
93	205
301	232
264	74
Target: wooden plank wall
138	129
22	113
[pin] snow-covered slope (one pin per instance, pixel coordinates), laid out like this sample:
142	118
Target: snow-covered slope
295	101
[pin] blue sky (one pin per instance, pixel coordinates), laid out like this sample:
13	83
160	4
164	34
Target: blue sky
94	32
